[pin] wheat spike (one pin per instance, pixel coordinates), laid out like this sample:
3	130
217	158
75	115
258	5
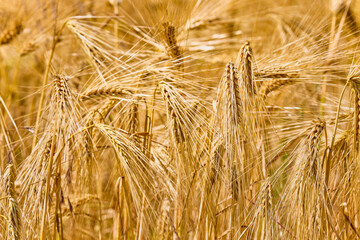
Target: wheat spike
177	130
173	49
106	92
271	86
14	218
163	228
170	40
28	48
246	70
306	188
10	33
133	117
62	91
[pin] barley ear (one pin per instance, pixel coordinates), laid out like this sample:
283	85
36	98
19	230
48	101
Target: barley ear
14	219
11	33
246	68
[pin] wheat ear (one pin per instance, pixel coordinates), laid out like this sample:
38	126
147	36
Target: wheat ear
14	219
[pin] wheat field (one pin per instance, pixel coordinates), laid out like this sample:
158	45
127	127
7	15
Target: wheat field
179	119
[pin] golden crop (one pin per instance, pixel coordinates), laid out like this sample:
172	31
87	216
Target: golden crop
179	119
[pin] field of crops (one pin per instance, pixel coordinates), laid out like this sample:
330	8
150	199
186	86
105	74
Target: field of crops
179	119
